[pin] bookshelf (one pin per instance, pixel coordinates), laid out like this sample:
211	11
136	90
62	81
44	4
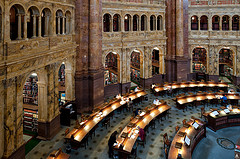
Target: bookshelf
30	118
30	91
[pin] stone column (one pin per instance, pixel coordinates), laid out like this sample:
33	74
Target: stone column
2	119
34	25
46	33
42	102
111	24
39	26
63	25
122	23
199	23
58	25
19	26
25	27
230	23
179	28
148	23
68	84
220	23
210	23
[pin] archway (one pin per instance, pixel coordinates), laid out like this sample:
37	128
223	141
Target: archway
135	22
235	22
112	68
152	23
159	23
194	22
204	22
68	23
135	66
127	22
225	22
30	104
116	22
33	22
226	63
143	22
59	22
155	61
61	86
106	22
199	60
215	22
17	14
46	22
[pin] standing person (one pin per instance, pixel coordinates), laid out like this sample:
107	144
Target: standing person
111	141
141	136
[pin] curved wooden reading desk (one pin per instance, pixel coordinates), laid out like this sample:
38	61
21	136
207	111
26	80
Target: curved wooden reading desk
129	134
179	144
190	85
222	118
182	101
78	133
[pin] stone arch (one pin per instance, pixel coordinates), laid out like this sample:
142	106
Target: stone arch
199	59
161	59
159	22
136	64
135	22
46	22
215	22
225	22
143	22
68	22
17	12
59	22
116	22
203	22
152	22
194	22
127	22
235	22
33	22
107	18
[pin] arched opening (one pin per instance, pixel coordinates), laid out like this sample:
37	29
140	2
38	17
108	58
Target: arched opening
46	23
235	22
116	22
32	22
106	22
68	29
199	60
159	23
143	22
215	22
155	61
127	22
135	66
16	22
194	22
112	68
226	64
61	86
225	22
135	22
204	22
30	104
152	22
59	22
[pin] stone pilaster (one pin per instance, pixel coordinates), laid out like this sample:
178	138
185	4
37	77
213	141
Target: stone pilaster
2	119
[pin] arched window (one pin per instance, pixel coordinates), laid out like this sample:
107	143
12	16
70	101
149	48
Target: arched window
33	22
106	22
194	22
226	62
155	62
116	22
204	22
59	22
152	22
127	22
215	22
16	22
111	68
135	22
235	22
225	22
143	22
159	23
68	22
135	66
199	60
46	23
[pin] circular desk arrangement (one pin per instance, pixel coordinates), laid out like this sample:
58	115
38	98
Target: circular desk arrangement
186	139
189	86
129	134
79	133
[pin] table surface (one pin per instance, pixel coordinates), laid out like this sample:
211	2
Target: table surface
190	84
222	113
237	143
85	128
61	156
129	142
185	150
204	96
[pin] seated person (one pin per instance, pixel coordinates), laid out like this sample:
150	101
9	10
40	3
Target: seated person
141	136
118	96
156	102
138	111
224	99
136	89
111	141
153	85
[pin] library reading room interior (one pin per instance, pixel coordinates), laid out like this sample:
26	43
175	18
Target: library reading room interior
119	79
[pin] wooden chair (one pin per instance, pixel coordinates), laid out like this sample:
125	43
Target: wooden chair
176	129
166	152
166	141
67	131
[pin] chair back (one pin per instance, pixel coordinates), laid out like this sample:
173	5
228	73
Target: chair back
184	121
67	131
176	128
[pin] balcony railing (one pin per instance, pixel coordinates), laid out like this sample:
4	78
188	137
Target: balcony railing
212	2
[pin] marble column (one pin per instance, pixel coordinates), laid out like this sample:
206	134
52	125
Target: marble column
58	25
19	26
68	84
39	26
210	23
199	22
34	25
179	28
25	27
230	23
63	25
42	102
1	119
46	25
148	22
220	23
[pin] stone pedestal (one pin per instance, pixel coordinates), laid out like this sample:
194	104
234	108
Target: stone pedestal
213	77
47	130
183	68
18	154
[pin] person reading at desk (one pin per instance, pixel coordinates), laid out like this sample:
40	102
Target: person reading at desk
224	100
153	85
136	89
111	141
156	102
231	91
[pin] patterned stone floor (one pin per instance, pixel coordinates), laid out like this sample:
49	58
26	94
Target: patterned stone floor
98	148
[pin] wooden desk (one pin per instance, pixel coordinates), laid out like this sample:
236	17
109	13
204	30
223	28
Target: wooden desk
95	118
194	135
223	120
184	85
61	155
182	101
237	153
140	121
